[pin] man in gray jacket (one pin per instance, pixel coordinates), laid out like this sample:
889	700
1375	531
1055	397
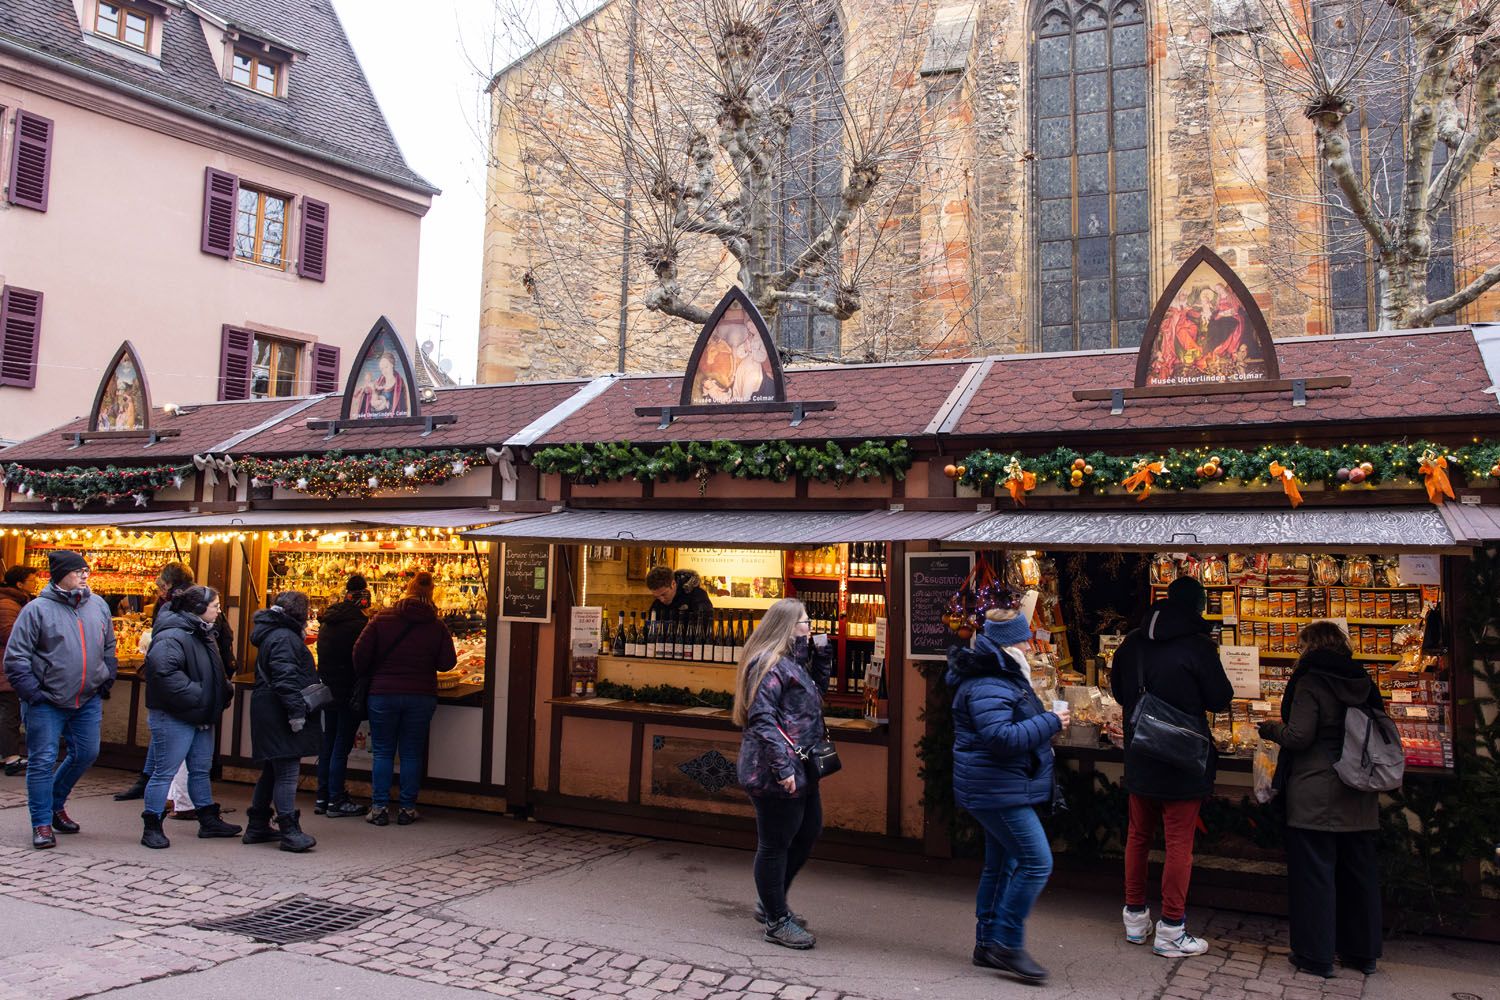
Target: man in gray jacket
60	657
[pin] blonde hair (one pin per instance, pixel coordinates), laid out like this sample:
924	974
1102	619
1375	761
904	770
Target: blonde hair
1323	635
771	640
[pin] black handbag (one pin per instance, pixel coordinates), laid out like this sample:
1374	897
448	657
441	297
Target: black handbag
823	756
1166	733
318	696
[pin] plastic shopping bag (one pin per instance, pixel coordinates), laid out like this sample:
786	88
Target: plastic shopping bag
1266	754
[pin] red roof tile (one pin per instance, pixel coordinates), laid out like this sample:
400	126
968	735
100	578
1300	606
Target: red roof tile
1395	377
873	401
202	428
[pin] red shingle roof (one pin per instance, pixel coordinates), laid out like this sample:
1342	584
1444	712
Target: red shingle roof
203	427
1395	377
873	401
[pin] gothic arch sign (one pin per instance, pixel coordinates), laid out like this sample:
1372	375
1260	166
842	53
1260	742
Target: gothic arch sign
382	388
1206	329
734	360
123	400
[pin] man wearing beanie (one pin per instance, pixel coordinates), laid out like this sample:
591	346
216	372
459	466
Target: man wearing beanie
61	655
338	629
1173	656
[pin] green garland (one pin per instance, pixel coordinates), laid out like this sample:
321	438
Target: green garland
81	486
335	474
1391	460
666	694
776	461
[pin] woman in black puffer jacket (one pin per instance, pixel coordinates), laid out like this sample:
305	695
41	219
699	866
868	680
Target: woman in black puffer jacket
187	689
282	730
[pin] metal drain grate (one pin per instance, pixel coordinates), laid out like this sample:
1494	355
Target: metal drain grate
298	918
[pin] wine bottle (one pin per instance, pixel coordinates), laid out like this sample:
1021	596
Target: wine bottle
723	648
700	628
618	647
652	651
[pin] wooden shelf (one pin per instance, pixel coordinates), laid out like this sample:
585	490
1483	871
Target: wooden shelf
656	661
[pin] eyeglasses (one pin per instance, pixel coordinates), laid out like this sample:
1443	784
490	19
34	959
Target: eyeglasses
804	621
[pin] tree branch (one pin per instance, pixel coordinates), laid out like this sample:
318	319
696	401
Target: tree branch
1333	144
1460	298
1473	144
857	190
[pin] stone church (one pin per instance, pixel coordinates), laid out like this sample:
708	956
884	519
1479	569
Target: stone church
1074	154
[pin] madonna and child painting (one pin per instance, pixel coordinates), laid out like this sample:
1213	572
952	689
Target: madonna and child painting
1206	335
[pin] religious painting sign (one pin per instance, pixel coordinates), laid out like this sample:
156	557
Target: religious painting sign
381	384
122	402
734	360
1206	328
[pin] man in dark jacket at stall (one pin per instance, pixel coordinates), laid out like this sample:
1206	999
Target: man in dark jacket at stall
339	628
1173	656
677	593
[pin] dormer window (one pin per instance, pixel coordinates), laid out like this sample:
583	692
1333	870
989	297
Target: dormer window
123	24
256	72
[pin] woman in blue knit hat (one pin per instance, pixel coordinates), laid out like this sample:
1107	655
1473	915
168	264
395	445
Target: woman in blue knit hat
1002	770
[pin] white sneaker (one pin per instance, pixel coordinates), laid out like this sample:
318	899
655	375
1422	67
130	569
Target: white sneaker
1137	926
1175	942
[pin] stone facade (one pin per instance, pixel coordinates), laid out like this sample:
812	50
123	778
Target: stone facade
955	271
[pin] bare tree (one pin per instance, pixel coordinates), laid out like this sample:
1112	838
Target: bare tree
1388	105
709	142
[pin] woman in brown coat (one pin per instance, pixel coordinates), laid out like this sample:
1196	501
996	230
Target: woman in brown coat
1333	876
14	594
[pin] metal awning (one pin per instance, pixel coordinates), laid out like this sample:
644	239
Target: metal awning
462	518
1408	528
1472	523
274	520
732	529
47	519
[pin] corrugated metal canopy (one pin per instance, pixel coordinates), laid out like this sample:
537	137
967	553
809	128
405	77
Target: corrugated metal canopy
267	520
461	518
39	519
732	529
1415	528
1472	523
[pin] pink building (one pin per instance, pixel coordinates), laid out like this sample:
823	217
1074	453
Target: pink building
213	181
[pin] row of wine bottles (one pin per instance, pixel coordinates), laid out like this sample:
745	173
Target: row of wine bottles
865	560
705	638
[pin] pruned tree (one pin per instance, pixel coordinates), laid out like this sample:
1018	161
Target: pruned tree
709	142
1389	105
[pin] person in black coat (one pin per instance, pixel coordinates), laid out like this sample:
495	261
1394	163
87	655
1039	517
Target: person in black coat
186	692
282	730
1173	656
174	578
339	628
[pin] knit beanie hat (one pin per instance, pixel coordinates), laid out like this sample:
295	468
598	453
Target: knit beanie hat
62	562
1188	594
356	584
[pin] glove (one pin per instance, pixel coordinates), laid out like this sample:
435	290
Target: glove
297	724
1267	730
104	689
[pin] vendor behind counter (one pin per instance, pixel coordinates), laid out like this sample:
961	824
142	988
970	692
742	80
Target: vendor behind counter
678	592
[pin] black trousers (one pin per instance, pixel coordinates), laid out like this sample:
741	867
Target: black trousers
1333	882
786	830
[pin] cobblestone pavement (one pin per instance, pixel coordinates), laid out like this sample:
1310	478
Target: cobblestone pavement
154	899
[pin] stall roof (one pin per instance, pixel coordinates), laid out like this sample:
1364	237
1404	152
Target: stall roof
1396	376
874	401
732	529
270	520
48	520
207	427
1364	528
1472	523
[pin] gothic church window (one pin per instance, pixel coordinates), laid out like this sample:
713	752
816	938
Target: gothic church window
1089	123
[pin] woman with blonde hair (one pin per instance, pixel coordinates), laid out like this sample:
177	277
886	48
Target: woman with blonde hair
778	703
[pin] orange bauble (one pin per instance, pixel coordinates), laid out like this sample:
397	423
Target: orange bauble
1367	468
951	471
1079	463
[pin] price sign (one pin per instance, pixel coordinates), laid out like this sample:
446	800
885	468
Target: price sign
526	582
932	578
1242	665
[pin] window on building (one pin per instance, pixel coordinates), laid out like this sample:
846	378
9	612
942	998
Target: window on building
1089	101
123	24
813	169
260	227
273	367
1377	137
256	72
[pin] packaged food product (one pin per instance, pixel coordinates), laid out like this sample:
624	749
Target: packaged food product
1367	604
1325	571
1358	572
1163	569
1213	572
1382	605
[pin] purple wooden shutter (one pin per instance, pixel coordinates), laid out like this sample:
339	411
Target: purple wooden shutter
235	348
312	255
325	368
31	161
221	192
20	335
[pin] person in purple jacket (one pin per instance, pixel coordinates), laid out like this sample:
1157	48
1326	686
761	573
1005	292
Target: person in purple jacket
778	703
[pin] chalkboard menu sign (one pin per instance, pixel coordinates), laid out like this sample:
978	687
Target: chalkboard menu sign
932	578
526	582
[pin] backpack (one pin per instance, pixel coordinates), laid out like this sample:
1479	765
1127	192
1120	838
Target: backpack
1372	759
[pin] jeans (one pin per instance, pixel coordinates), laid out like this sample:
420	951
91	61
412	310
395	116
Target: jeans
1179	822
398	724
149	767
340	726
1333	895
1017	863
785	831
10	725
47	782
277	785
176	742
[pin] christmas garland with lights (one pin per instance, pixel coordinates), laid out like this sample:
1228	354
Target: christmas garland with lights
1288	465
334	475
776	461
81	486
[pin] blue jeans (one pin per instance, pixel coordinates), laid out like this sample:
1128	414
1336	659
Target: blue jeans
1017	862
149	767
398	724
47	782
172	742
339	730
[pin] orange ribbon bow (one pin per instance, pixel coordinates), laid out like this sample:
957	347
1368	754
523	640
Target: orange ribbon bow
1142	478
1288	482
1434	469
1019	482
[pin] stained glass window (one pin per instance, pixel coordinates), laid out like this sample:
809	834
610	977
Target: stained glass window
1091	179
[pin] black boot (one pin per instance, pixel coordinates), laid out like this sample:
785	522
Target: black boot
210	825
135	791
292	837
258	827
151	835
1012	960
